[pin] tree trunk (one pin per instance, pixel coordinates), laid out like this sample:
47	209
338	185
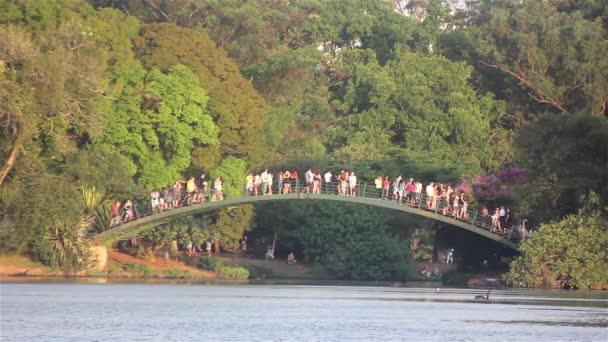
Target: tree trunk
10	162
216	246
277	230
274	241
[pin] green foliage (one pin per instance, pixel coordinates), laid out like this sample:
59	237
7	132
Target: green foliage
233	170
214	264
422	245
237	108
89	96
35	202
567	156
420	104
230	225
233	273
571	253
210	263
352	242
64	248
145	271
159	138
102	167
174	273
558	56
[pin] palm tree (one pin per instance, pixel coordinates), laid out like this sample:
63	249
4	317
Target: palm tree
68	246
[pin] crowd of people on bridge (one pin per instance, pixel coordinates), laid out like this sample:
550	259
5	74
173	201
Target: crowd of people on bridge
194	190
442	198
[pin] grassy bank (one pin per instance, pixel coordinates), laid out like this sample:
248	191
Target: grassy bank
123	265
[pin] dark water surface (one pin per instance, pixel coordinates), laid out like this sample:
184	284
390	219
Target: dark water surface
220	312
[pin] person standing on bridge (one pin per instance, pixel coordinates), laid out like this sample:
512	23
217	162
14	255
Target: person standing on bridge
270	179
279	177
496	221
177	193
115	214
502	213
316	182
249	184
430	193
129	214
396	184
386	184
286	182
154	199
410	191
378	185
352	184
168	197
456	207
257	181
464	206
294	180
343	183
418	193
327	177
264	178
218	193
308	178
191	189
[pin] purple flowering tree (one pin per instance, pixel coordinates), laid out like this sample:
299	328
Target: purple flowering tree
498	187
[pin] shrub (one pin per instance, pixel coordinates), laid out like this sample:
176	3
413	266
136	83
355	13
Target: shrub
233	273
173	273
145	271
210	263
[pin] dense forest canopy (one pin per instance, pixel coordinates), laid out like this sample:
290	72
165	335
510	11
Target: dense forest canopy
104	100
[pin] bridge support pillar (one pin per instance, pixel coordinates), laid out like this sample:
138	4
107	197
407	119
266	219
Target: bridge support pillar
98	258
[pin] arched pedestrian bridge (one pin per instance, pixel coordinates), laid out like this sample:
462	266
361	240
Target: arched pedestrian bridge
472	221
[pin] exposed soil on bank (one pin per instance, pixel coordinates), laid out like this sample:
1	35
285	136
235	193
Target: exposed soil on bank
125	265
21	266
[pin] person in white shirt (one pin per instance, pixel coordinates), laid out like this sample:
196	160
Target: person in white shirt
430	193
327	177
308	177
501	214
270	178
264	177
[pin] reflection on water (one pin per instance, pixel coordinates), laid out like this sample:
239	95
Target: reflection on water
221	312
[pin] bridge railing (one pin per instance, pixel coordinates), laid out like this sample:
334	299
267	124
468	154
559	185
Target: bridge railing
438	205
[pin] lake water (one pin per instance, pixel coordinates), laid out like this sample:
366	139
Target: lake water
215	312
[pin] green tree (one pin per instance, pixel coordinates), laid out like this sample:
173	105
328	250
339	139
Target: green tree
558	57
417	106
352	242
236	107
158	126
567	156
570	253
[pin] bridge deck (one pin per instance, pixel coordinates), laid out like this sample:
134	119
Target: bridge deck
472	221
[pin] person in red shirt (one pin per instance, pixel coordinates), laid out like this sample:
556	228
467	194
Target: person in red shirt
115	214
294	179
386	183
